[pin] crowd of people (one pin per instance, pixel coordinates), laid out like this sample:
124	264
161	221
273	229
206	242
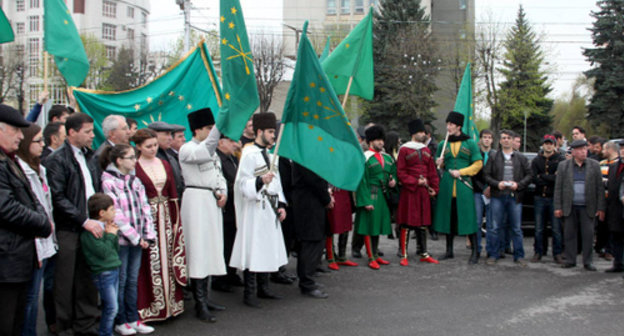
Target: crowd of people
149	218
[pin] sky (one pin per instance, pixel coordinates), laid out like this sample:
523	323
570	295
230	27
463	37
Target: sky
561	23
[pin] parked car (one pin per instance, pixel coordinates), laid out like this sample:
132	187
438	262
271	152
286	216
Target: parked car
528	215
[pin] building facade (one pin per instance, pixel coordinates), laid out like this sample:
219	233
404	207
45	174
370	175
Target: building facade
115	23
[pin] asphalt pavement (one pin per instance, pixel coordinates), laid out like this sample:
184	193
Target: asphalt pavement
452	298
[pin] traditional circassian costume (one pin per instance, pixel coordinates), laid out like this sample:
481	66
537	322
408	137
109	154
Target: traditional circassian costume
340	223
201	216
378	172
456	195
415	163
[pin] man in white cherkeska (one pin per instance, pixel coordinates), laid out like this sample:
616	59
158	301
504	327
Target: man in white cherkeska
259	201
201	214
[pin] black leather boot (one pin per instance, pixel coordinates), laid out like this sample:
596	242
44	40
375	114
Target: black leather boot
474	256
213	306
200	287
421	241
342	246
249	292
263	287
449	248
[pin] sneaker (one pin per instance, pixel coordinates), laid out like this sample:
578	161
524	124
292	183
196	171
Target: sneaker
125	329
141	328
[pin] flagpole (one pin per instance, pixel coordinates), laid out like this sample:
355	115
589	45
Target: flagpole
346	95
444	148
277	146
45	70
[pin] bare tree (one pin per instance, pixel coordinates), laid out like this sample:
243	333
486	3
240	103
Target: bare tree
11	71
489	53
269	65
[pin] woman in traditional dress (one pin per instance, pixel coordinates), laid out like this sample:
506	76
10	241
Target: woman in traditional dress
163	268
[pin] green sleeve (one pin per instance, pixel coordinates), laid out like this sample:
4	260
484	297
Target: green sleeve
362	194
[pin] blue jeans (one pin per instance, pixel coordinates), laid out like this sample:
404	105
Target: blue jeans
107	283
32	301
544	212
128	276
482	208
500	207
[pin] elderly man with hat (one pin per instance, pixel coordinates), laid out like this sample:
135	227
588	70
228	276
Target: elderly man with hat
579	198
543	170
163	135
259	201
22	218
419	180
461	160
372	216
204	197
178	139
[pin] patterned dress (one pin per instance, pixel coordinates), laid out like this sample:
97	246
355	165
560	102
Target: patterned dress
163	269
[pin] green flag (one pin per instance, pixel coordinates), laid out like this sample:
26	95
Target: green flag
464	105
317	133
61	39
189	85
237	72
6	32
326	50
353	57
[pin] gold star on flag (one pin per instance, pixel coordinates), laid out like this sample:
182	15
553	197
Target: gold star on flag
322	90
160	102
222	19
181	98
306	99
171	93
137	107
65	22
189	106
227	96
149	100
224	41
331	149
320	138
231	25
234	10
310	127
312	84
347	45
319	103
305	114
316	116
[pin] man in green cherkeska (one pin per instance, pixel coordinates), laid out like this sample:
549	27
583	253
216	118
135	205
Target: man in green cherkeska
461	160
372	216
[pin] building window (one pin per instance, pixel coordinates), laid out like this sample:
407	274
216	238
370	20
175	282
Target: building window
143	43
20	6
33	56
131	35
462	4
20	50
144	19
109	32
359	7
130	12
345	6
20	28
79	6
331	7
111	53
34	3
33	23
109	9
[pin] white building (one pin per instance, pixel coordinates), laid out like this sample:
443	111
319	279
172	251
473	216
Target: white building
114	22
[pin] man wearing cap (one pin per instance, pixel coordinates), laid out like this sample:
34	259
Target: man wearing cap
163	135
204	197
259	202
615	221
178	139
544	169
419	180
23	219
462	159
372	216
579	198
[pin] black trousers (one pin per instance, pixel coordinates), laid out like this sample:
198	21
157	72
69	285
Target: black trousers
602	237
357	241
229	234
308	258
617	248
75	295
578	219
12	308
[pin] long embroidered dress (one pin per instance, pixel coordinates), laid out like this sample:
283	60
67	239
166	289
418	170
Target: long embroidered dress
163	269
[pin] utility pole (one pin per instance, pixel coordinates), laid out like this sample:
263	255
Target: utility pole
185	5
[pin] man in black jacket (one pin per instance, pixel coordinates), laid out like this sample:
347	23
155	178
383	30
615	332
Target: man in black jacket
481	188
311	198
508	173
73	178
544	169
615	211
22	219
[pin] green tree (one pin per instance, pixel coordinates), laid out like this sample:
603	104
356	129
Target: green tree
123	74
606	106
525	85
406	64
571	110
98	62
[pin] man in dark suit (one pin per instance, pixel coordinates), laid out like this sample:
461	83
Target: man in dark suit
579	198
53	135
311	198
615	221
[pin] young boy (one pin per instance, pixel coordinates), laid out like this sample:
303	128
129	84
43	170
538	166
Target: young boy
102	257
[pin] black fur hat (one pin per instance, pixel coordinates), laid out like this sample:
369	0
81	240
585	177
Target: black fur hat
200	118
416	126
262	121
455	118
375	132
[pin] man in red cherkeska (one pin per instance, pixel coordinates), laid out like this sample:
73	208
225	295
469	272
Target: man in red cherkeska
419	180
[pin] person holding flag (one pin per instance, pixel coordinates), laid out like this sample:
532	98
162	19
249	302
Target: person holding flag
459	158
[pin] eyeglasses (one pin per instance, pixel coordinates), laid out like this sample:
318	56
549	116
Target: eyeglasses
133	157
38	140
